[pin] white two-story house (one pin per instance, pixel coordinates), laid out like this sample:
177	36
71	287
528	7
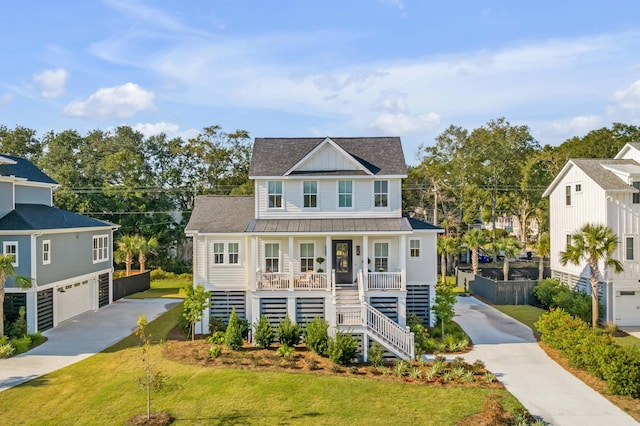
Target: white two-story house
67	256
323	236
607	192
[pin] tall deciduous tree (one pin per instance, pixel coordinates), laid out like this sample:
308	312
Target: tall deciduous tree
593	243
7	270
475	239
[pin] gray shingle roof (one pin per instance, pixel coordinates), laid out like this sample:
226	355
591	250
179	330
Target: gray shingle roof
24	169
417	224
28	217
221	214
275	156
606	179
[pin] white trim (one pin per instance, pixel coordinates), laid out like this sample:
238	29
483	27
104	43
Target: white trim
320	177
313	258
61	230
47	243
388	257
373	191
317	207
264	257
99	249
6	244
338	148
281	207
419	240
353	201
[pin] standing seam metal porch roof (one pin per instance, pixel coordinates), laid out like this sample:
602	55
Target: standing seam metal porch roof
327	226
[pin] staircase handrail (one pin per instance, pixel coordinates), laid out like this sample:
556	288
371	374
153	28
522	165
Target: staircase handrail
400	338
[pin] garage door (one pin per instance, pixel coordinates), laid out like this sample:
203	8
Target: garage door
73	299
628	308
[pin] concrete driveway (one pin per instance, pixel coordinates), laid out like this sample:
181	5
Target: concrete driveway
510	351
79	338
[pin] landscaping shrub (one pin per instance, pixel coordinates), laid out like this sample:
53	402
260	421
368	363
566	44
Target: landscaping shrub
19	326
160	274
6	349
285	351
217	338
233	336
376	355
421	340
215	351
36	339
244	327
553	294
289	332
317	336
592	350
216	324
342	348
21	344
263	334
546	290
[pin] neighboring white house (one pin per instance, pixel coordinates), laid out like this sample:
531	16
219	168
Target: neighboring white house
601	191
323	236
67	256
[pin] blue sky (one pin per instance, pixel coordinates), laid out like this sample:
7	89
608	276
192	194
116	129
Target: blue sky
323	68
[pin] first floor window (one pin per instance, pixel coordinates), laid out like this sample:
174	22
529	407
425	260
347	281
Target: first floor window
100	248
271	257
218	253
345	193
381	257
569	240
46	252
10	249
636	195
306	257
381	193
310	193
275	194
629	248
414	248
233	253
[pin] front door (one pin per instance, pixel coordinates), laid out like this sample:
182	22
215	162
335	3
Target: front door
342	261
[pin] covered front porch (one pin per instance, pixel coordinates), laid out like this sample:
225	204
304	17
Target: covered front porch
314	263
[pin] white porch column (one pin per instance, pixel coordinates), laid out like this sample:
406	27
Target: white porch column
32	311
365	261
403	263
329	260
291	308
291	265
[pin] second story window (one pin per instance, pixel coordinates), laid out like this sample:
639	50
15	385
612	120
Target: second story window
100	248
567	195
345	193
381	193
629	248
310	193
636	195
234	251
46	252
218	253
275	194
10	249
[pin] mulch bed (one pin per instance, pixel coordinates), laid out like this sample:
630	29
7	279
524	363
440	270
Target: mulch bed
156	419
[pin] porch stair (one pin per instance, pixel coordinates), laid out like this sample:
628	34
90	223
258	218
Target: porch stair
353	311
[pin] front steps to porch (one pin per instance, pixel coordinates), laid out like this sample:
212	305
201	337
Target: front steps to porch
352	312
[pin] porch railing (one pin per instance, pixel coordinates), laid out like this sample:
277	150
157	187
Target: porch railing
384	281
310	281
278	281
272	281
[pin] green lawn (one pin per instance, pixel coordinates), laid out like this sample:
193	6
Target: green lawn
526	314
170	288
102	390
628	341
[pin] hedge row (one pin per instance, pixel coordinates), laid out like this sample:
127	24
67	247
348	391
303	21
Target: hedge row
593	351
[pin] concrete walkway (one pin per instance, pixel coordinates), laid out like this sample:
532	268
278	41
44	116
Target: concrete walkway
79	338
549	392
633	331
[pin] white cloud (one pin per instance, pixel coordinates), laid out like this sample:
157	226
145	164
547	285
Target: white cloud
5	98
398	124
172	130
391	102
118	101
629	98
51	83
395	3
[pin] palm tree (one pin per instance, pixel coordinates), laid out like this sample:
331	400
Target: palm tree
475	239
7	270
544	249
593	243
145	247
446	246
128	247
508	246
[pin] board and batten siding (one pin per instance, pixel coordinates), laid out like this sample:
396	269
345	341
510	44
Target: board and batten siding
587	206
200	259
624	220
227	276
327	200
328	158
422	270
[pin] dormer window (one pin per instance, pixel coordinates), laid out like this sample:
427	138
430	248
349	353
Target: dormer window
381	193
275	194
636	195
345	194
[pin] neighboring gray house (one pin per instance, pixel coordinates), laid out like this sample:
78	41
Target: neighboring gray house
67	256
323	236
